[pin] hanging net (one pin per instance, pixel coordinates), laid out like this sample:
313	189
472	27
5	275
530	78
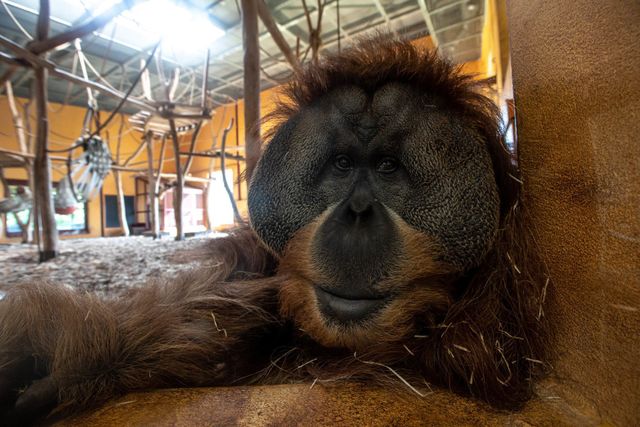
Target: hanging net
85	175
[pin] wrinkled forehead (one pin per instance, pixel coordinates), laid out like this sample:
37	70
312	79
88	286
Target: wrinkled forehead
395	112
392	103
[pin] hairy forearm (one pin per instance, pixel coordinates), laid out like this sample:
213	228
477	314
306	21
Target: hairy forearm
177	332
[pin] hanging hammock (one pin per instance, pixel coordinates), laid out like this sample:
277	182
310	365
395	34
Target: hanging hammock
16	203
65	200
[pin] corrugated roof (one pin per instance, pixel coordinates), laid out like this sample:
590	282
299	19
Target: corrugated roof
115	51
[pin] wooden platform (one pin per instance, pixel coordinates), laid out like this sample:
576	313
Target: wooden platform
287	405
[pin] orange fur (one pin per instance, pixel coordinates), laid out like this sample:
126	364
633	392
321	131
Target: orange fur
248	317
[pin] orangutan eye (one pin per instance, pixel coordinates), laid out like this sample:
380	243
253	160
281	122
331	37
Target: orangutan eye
387	165
343	163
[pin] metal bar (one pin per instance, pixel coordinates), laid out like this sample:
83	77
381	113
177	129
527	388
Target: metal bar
454	42
261	37
327	45
15	21
457	24
46	44
447	6
427	20
278	38
382	12
336	21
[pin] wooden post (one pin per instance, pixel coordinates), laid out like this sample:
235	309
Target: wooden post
238	171
122	213
160	165
227	188
314	33
42	164
251	84
192	146
178	189
18	125
151	188
6	76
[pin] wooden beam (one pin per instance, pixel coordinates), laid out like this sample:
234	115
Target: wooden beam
151	189
251	84
42	164
160	164
236	212
122	212
215	155
36	61
136	152
13	67
42	45
64	159
186	178
28	155
13	63
278	38
167	114
192	146
178	189
17	119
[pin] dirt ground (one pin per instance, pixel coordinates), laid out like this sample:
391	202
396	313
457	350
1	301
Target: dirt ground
107	266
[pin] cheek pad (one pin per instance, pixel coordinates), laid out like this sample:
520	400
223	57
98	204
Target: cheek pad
282	196
454	198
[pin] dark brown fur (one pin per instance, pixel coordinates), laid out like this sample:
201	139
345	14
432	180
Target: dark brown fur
481	334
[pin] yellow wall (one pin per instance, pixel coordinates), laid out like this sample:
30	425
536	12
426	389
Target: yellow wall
65	126
220	120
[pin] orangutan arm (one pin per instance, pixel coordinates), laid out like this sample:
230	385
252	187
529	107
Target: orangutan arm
60	347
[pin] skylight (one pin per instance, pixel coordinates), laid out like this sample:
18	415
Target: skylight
186	32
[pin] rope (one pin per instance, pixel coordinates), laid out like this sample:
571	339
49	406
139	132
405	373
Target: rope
115	111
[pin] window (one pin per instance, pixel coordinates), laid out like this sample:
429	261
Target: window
112	219
192	211
219	206
76	223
